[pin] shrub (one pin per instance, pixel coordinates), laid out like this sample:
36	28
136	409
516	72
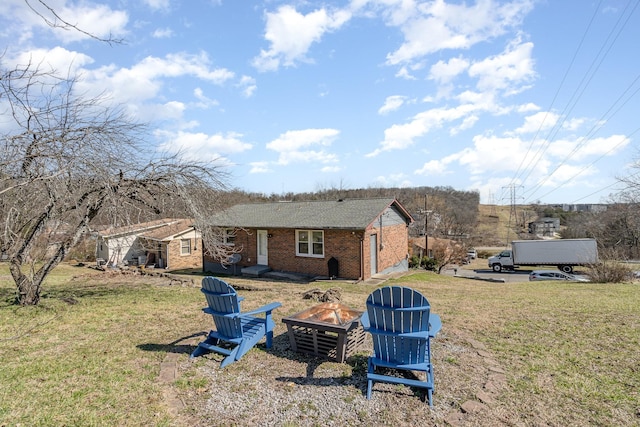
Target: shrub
609	269
609	272
486	253
430	264
414	262
424	262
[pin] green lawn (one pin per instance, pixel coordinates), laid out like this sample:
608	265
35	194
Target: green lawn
90	353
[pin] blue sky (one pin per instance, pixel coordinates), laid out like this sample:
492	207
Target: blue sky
535	99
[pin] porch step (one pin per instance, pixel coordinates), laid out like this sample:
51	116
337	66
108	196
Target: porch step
255	270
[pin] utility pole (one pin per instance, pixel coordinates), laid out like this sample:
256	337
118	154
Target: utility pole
426	226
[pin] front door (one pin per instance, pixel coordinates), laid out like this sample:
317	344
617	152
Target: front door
263	258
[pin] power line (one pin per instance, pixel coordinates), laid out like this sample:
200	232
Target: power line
605	48
599	124
632	176
555	96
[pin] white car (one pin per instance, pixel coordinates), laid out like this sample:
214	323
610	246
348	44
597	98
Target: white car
472	254
555	275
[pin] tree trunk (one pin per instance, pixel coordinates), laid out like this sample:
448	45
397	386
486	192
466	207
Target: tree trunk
28	289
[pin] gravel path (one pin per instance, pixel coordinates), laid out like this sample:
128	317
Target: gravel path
278	387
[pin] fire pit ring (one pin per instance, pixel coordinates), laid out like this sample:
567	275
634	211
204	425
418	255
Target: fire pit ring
329	330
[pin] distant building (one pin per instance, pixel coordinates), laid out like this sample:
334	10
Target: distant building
584	207
545	226
171	243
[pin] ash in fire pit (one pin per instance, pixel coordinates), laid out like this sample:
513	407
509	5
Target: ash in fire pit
332	313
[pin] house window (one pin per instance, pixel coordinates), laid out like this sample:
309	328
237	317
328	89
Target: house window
310	243
185	247
229	236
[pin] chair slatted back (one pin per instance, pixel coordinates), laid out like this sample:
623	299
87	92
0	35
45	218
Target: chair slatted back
223	299
396	310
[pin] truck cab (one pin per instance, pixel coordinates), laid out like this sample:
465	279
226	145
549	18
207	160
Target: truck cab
502	261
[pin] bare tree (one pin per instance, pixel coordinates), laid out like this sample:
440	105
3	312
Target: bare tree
447	252
452	214
65	160
52	18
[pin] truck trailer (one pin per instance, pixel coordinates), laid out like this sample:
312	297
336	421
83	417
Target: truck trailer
563	253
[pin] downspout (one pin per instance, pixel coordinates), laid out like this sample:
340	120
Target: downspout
361	256
202	245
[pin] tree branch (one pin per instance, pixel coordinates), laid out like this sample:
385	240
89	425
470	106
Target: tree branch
61	23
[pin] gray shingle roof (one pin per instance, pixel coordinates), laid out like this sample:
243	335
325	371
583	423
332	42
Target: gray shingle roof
351	214
139	228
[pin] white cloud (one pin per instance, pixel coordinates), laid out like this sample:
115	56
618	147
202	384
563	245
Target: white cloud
172	110
58	60
203	100
260	167
98	20
294	140
399	137
527	108
144	80
567	176
467	123
162	33
404	73
573	124
500	74
434	26
538	122
507	71
307	156
392	103
291	34
579	149
330	169
158	4
491	154
294	146
444	72
248	86
201	146
432	167
400	180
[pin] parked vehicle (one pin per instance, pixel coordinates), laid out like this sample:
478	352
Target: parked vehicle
563	253
472	254
554	275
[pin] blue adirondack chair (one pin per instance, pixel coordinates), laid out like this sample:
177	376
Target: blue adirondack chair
401	325
236	332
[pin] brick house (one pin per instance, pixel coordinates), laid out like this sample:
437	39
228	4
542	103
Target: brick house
168	243
350	239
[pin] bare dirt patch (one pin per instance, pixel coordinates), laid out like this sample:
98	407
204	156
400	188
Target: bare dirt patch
281	387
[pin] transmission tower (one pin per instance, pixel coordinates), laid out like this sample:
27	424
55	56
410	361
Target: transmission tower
512	211
492	203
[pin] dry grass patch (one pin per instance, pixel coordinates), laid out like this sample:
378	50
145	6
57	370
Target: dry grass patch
568	353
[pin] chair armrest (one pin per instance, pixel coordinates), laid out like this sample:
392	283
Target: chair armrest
209	310
208	292
419	334
435	324
264	309
364	321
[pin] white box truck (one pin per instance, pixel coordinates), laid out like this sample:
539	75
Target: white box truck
563	253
